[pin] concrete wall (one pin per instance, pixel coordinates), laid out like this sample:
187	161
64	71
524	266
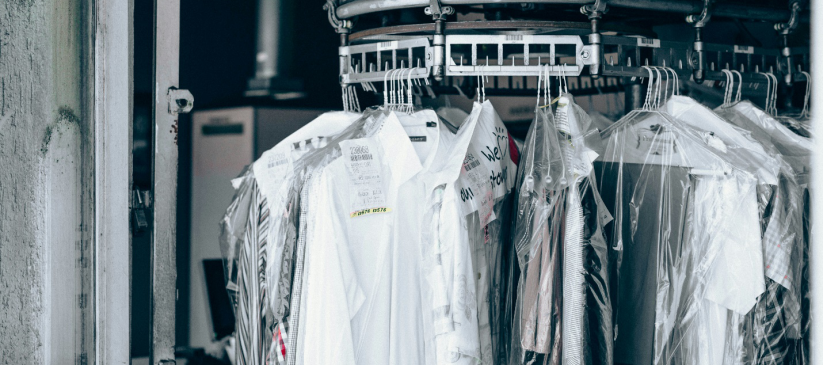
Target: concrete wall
44	266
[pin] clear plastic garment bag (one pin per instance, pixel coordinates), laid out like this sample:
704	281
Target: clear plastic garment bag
563	314
778	325
687	259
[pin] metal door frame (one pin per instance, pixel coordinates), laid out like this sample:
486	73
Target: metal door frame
168	102
165	67
106	178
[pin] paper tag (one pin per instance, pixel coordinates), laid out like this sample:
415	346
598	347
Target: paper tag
648	42
361	157
476	193
271	169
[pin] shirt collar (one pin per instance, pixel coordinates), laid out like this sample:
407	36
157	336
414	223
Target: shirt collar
449	161
398	152
443	164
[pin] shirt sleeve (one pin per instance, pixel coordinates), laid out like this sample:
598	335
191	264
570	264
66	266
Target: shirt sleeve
464	340
736	277
333	294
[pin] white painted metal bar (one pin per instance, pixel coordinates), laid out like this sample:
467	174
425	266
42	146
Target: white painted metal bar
533	62
164	181
113	87
365	73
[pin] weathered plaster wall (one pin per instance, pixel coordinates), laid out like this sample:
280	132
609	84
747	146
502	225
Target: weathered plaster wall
41	124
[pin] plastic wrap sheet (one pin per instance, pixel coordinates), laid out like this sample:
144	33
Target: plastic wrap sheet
258	245
687	260
563	313
794	148
491	155
777	326
538	184
233	227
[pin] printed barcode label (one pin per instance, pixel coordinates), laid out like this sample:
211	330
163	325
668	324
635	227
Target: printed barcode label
470	162
361	157
382	46
744	49
277	160
648	42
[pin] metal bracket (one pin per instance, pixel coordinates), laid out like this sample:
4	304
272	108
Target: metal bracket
596	10
784	29
181	101
139	206
700	20
340	26
593	56
403	50
474	65
794	19
437	11
698	58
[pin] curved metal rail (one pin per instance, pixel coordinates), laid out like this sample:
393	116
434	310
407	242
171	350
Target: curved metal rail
522	26
355	8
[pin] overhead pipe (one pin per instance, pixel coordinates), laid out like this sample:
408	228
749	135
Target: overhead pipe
273	61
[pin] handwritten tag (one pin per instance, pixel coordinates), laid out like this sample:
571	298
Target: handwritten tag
361	158
476	193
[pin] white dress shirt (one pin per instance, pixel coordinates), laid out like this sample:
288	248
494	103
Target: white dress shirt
369	297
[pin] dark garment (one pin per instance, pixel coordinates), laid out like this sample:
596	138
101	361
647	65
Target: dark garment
644	193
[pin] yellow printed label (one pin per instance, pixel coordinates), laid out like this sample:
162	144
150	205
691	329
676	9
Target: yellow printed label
369	211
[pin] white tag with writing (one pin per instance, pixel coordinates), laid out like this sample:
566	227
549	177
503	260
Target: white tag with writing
488	156
475	189
361	157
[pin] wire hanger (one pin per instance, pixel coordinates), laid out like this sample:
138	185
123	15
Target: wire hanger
805	113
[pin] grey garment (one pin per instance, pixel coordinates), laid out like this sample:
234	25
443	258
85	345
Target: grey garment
542	296
639	231
284	234
489	246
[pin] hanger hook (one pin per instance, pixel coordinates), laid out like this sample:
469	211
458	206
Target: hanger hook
739	85
646	104
768	90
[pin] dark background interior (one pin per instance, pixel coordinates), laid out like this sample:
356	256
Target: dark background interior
217	49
